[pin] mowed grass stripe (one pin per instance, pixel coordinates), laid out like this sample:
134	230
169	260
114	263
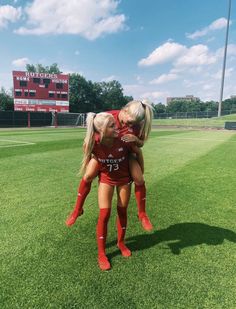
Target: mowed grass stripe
48	265
41	147
42	131
5	143
168	153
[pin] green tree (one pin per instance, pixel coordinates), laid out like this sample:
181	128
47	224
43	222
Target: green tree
6	100
83	96
229	104
112	96
177	106
39	68
211	106
159	108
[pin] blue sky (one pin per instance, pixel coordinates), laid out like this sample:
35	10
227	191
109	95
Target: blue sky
154	48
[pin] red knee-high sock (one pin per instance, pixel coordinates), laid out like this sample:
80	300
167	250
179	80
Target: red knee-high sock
83	191
140	194
121	223
121	230
104	215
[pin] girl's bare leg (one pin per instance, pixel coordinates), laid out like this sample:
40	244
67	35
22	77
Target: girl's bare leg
123	196
83	190
105	193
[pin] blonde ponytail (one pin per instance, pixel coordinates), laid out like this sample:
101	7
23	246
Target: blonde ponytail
142	113
95	123
88	141
147	122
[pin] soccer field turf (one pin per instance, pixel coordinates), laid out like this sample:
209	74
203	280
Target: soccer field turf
188	261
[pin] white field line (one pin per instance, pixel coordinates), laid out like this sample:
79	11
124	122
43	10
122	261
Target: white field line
22	143
197	139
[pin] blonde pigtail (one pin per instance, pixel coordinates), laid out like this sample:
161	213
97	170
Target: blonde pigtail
142	113
147	122
95	123
88	141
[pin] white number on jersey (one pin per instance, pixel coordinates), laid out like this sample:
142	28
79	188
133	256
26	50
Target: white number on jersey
113	167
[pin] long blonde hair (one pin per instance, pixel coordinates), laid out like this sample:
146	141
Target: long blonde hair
141	112
96	123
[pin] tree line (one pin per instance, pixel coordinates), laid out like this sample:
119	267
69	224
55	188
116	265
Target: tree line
178	106
86	96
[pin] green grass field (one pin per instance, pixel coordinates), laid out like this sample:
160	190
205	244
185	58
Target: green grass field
214	122
188	261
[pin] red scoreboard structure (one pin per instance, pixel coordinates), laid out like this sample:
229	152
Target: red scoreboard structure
41	92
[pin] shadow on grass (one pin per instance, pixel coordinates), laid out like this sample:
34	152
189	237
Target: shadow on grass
180	236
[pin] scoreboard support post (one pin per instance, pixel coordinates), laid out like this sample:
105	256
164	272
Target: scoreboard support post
28	119
55	120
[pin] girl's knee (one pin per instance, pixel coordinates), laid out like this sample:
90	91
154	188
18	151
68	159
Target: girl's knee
138	181
88	178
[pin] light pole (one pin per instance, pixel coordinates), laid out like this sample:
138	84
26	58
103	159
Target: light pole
224	62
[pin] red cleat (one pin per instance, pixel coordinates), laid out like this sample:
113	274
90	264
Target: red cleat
103	263
146	223
124	250
72	218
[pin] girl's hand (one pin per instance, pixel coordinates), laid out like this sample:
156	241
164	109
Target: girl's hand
128	138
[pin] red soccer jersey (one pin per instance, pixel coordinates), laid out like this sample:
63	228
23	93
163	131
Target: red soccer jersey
113	161
135	130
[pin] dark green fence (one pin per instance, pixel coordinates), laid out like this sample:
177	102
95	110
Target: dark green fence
40	119
24	119
230	125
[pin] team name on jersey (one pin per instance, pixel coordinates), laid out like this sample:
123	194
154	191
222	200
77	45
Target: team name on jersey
111	160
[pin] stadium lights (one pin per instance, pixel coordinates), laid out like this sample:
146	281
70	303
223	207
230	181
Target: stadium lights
224	62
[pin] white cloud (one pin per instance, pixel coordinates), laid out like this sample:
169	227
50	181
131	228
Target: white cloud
164	53
189	83
231	51
69	71
218	24
195	56
218	74
8	14
215	25
145	92
211	39
139	79
109	78
181	57
6	80
20	63
157	96
164	78
208	86
90	19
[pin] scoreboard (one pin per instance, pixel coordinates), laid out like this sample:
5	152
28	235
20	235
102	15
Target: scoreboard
41	92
